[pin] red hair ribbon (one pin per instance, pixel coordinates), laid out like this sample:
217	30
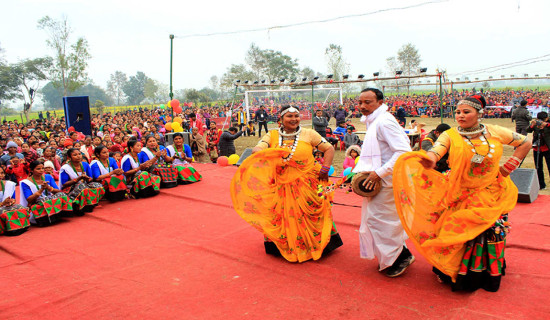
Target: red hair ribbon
478	98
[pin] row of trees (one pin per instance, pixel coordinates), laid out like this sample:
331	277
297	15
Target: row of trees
66	68
142	89
408	61
270	65
265	64
65	73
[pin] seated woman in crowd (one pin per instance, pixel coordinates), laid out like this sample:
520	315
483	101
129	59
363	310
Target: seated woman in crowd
105	170
42	196
29	154
14	218
58	151
152	151
143	184
182	156
75	177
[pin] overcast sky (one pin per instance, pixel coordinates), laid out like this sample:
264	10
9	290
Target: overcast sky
131	36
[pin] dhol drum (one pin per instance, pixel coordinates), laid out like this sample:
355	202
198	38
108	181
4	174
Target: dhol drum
358	187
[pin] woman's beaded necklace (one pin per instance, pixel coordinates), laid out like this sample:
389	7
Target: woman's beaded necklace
136	158
478	158
81	168
177	153
107	167
296	136
36	184
480	128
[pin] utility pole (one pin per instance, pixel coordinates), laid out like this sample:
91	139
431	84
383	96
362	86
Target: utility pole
171	55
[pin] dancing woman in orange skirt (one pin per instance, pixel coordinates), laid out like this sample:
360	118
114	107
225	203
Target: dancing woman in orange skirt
459	221
276	191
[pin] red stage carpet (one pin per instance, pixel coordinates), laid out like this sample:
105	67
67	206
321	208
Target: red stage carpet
186	254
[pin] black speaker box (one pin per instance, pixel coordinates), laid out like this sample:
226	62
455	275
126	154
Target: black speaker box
246	153
77	114
528	184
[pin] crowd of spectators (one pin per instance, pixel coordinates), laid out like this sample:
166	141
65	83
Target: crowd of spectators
48	138
416	105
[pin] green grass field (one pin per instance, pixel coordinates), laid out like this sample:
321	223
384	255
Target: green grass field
248	142
34	115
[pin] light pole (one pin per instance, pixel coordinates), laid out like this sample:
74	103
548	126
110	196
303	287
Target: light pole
440	94
171	54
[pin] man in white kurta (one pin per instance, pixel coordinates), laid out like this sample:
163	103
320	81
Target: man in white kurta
381	234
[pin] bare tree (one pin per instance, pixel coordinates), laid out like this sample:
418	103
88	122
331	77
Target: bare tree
29	73
336	63
255	58
393	66
409	61
214	83
70	61
115	86
233	73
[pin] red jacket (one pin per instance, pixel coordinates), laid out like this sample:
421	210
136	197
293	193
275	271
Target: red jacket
21	171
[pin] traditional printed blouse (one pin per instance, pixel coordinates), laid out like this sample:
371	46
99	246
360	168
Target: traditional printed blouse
306	135
503	135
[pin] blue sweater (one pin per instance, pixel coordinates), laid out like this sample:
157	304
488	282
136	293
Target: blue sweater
27	191
95	168
64	177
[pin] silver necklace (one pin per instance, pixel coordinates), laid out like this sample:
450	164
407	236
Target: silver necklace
478	158
292	134
472	131
296	136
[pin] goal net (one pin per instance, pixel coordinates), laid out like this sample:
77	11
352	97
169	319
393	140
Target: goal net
305	99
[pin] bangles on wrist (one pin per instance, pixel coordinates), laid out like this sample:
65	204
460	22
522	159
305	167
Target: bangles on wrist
324	169
512	164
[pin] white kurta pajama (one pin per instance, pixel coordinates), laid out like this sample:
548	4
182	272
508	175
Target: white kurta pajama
381	234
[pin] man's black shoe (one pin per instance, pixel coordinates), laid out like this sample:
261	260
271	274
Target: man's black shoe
404	260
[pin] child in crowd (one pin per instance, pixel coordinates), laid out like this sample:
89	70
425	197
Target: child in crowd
41	147
351	155
250	129
117	156
350	125
319	156
340	131
50	169
351	138
18	169
413	126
